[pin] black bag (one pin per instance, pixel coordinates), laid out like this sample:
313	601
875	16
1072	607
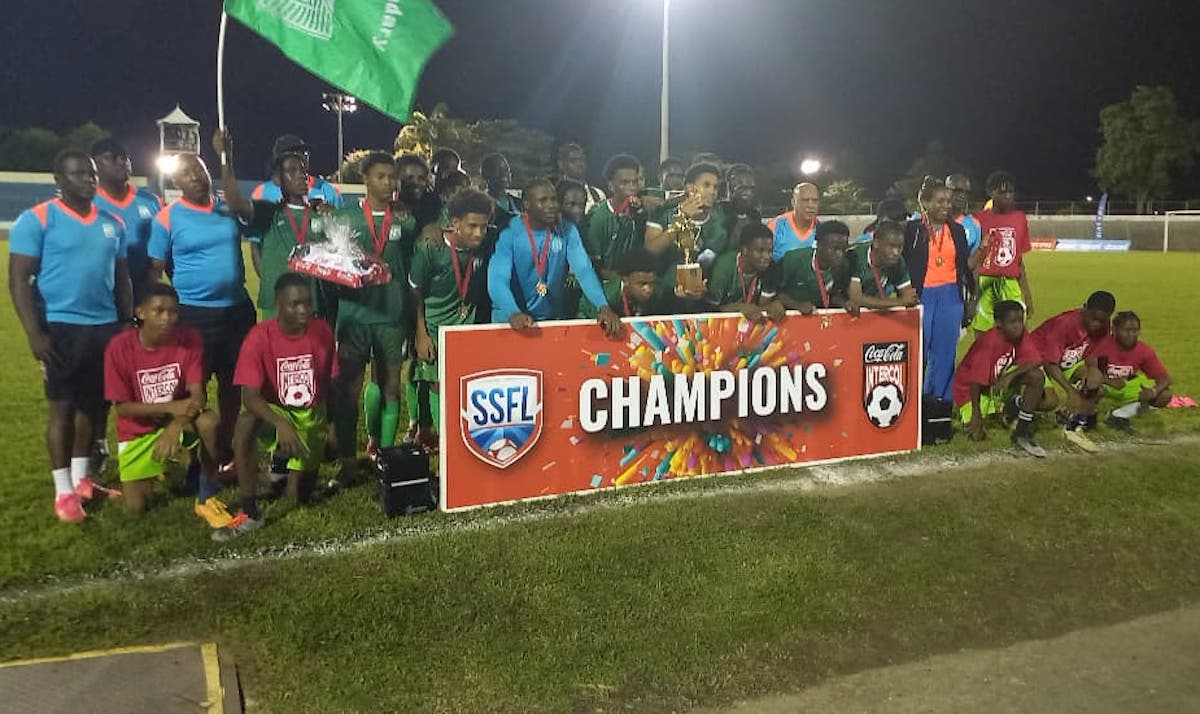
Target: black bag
406	482
937	421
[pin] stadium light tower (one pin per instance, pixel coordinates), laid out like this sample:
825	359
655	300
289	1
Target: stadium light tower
339	104
664	119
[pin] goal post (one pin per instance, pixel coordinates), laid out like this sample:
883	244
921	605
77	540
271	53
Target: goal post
1167	225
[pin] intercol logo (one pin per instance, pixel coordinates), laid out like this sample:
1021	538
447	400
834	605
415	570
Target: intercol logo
501	414
885	365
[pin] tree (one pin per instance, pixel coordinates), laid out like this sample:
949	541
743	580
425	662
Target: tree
935	162
1145	141
844	198
33	149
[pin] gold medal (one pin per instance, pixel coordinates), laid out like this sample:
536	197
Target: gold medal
541	288
940	261
463	312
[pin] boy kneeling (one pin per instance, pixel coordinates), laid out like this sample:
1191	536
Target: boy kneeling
285	370
155	377
1002	373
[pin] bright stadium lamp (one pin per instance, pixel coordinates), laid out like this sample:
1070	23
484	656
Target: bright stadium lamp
167	164
810	166
339	104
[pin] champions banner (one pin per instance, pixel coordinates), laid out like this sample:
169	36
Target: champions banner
563	409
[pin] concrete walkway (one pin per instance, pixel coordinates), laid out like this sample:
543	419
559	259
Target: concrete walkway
1151	664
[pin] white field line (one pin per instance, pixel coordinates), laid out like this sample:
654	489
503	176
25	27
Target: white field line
831	476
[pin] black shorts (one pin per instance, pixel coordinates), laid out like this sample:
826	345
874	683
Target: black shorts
223	330
79	375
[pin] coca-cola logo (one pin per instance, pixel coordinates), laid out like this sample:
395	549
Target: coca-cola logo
881	352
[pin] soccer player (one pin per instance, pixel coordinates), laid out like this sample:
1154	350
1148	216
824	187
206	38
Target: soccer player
446	279
285	370
745	281
817	277
200	234
136	207
798	227
76	253
497	176
1002	373
444	162
960	194
572	164
319	190
1005	242
617	224
672	176
741	208
275	228
371	325
938	260
1064	340
527	273
154	375
572	197
700	204
412	176
878	276
1128	372
635	292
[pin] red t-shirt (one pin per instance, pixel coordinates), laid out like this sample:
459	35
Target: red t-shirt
1063	339
1009	241
1123	364
135	373
289	371
989	355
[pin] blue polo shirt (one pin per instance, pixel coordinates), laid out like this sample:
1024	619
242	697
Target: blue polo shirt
205	245
78	254
137	211
788	236
513	275
971	225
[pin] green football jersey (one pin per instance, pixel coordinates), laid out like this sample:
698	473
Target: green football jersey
713	238
434	275
377	304
610	236
728	284
277	237
877	280
799	280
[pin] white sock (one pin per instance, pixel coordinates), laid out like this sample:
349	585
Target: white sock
62	481
1127	411
79	468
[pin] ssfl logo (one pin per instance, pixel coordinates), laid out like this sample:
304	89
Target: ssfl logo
501	414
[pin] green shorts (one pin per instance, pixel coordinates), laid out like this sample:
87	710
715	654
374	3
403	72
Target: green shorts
1131	392
1075	375
424	371
364	342
311	426
135	458
992	401
993	289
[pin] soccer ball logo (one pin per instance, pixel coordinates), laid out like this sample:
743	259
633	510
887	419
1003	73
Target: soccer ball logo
297	395
502	450
884	404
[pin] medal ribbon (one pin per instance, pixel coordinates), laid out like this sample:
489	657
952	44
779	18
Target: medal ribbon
463	284
747	294
300	233
380	239
820	281
540	260
875	272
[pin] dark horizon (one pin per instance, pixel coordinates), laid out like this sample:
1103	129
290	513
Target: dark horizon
1018	89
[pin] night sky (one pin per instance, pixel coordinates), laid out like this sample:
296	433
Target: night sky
1014	84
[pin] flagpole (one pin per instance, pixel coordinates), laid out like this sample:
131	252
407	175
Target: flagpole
221	75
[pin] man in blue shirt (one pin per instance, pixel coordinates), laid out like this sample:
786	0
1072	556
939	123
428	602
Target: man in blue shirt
137	207
527	274
202	237
76	254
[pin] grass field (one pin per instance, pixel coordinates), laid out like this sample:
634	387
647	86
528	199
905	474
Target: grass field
655	606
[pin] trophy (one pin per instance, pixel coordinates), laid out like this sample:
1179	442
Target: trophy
689	276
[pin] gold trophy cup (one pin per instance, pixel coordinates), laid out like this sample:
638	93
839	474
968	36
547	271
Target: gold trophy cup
689	276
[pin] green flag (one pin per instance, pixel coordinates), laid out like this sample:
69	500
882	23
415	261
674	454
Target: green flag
373	49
